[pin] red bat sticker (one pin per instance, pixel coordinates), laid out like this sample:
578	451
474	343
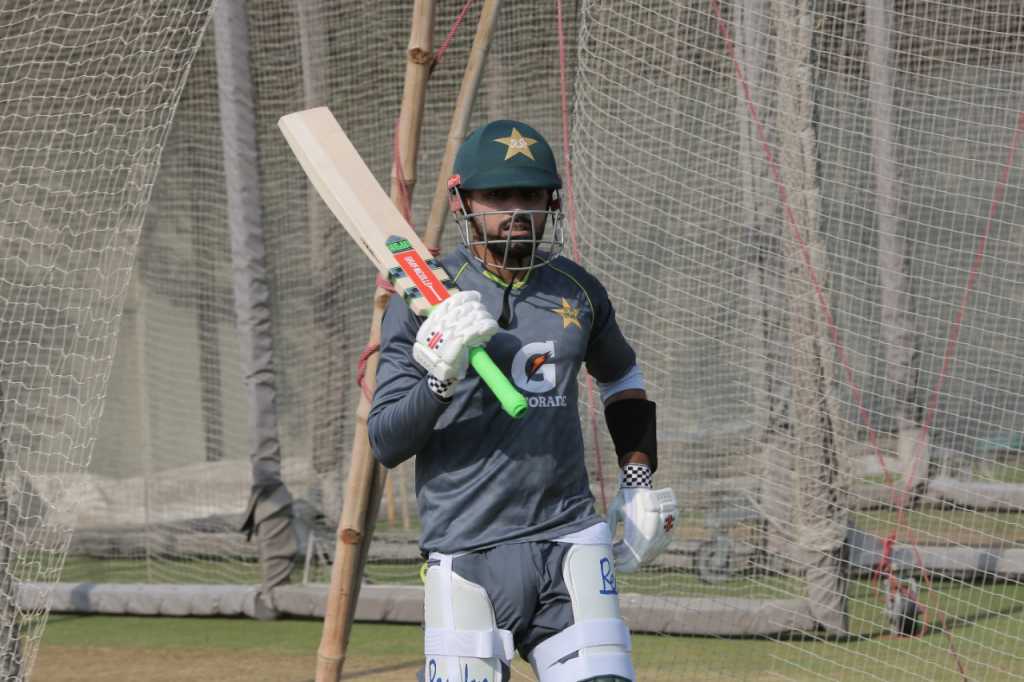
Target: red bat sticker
422	277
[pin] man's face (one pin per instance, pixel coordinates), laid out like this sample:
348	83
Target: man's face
526	225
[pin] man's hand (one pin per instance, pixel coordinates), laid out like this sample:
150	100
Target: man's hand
647	516
457	324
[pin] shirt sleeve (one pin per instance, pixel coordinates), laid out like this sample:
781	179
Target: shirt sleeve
404	409
609	355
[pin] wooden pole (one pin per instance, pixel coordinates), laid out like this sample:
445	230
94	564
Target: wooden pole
403	497
435	226
460	119
346	572
366	478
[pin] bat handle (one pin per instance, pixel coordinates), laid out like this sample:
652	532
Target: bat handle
512	401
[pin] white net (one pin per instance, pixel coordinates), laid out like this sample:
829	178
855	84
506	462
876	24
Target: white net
787	195
172	514
88	99
806	214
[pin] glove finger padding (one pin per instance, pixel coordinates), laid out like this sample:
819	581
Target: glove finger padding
644	513
457	324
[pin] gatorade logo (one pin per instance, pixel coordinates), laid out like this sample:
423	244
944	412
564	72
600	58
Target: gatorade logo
533	368
534	371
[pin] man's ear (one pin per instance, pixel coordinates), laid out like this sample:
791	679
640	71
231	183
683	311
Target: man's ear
458	202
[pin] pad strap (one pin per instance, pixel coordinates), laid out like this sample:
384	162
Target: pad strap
601	666
470	643
580	636
632	424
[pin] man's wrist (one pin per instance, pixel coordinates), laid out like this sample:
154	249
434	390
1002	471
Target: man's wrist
636	457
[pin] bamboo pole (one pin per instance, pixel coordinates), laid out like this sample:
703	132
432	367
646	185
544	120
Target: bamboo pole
403	497
366	478
460	119
435	226
346	572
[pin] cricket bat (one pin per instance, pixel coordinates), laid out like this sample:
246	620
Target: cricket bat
359	203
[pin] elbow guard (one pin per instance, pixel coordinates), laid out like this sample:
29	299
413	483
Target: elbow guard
632	424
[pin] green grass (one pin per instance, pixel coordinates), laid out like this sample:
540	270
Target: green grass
930	526
1006	472
185	633
987	645
194	571
208	572
984	622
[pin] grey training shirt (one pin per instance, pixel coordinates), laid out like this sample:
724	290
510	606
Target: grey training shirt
483	478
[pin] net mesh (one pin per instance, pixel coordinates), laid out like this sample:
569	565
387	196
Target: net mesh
88	100
806	214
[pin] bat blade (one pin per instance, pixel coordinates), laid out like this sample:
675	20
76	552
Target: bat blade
348	187
356	199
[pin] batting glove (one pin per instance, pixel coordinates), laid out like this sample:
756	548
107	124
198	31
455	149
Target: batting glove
647	516
457	324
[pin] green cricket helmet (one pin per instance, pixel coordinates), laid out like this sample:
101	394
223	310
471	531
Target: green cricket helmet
508	154
505	154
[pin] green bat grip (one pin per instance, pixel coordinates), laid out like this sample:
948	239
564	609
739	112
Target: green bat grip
511	400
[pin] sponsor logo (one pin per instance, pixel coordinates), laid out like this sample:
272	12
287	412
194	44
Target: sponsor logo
422	278
547	401
535	362
435	340
396	244
533	369
434	676
607	577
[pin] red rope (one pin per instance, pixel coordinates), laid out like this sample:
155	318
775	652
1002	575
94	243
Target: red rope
833	329
570	204
954	333
364	357
805	252
451	34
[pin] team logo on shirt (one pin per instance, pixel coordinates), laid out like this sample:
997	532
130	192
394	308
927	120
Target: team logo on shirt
569	313
534	371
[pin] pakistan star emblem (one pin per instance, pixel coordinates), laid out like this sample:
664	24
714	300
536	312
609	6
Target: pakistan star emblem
517	144
569	314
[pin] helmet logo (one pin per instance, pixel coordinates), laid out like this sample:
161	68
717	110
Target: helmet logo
517	144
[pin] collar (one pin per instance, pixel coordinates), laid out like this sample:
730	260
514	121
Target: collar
479	267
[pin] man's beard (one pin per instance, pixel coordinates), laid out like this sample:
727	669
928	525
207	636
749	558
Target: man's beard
517	249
